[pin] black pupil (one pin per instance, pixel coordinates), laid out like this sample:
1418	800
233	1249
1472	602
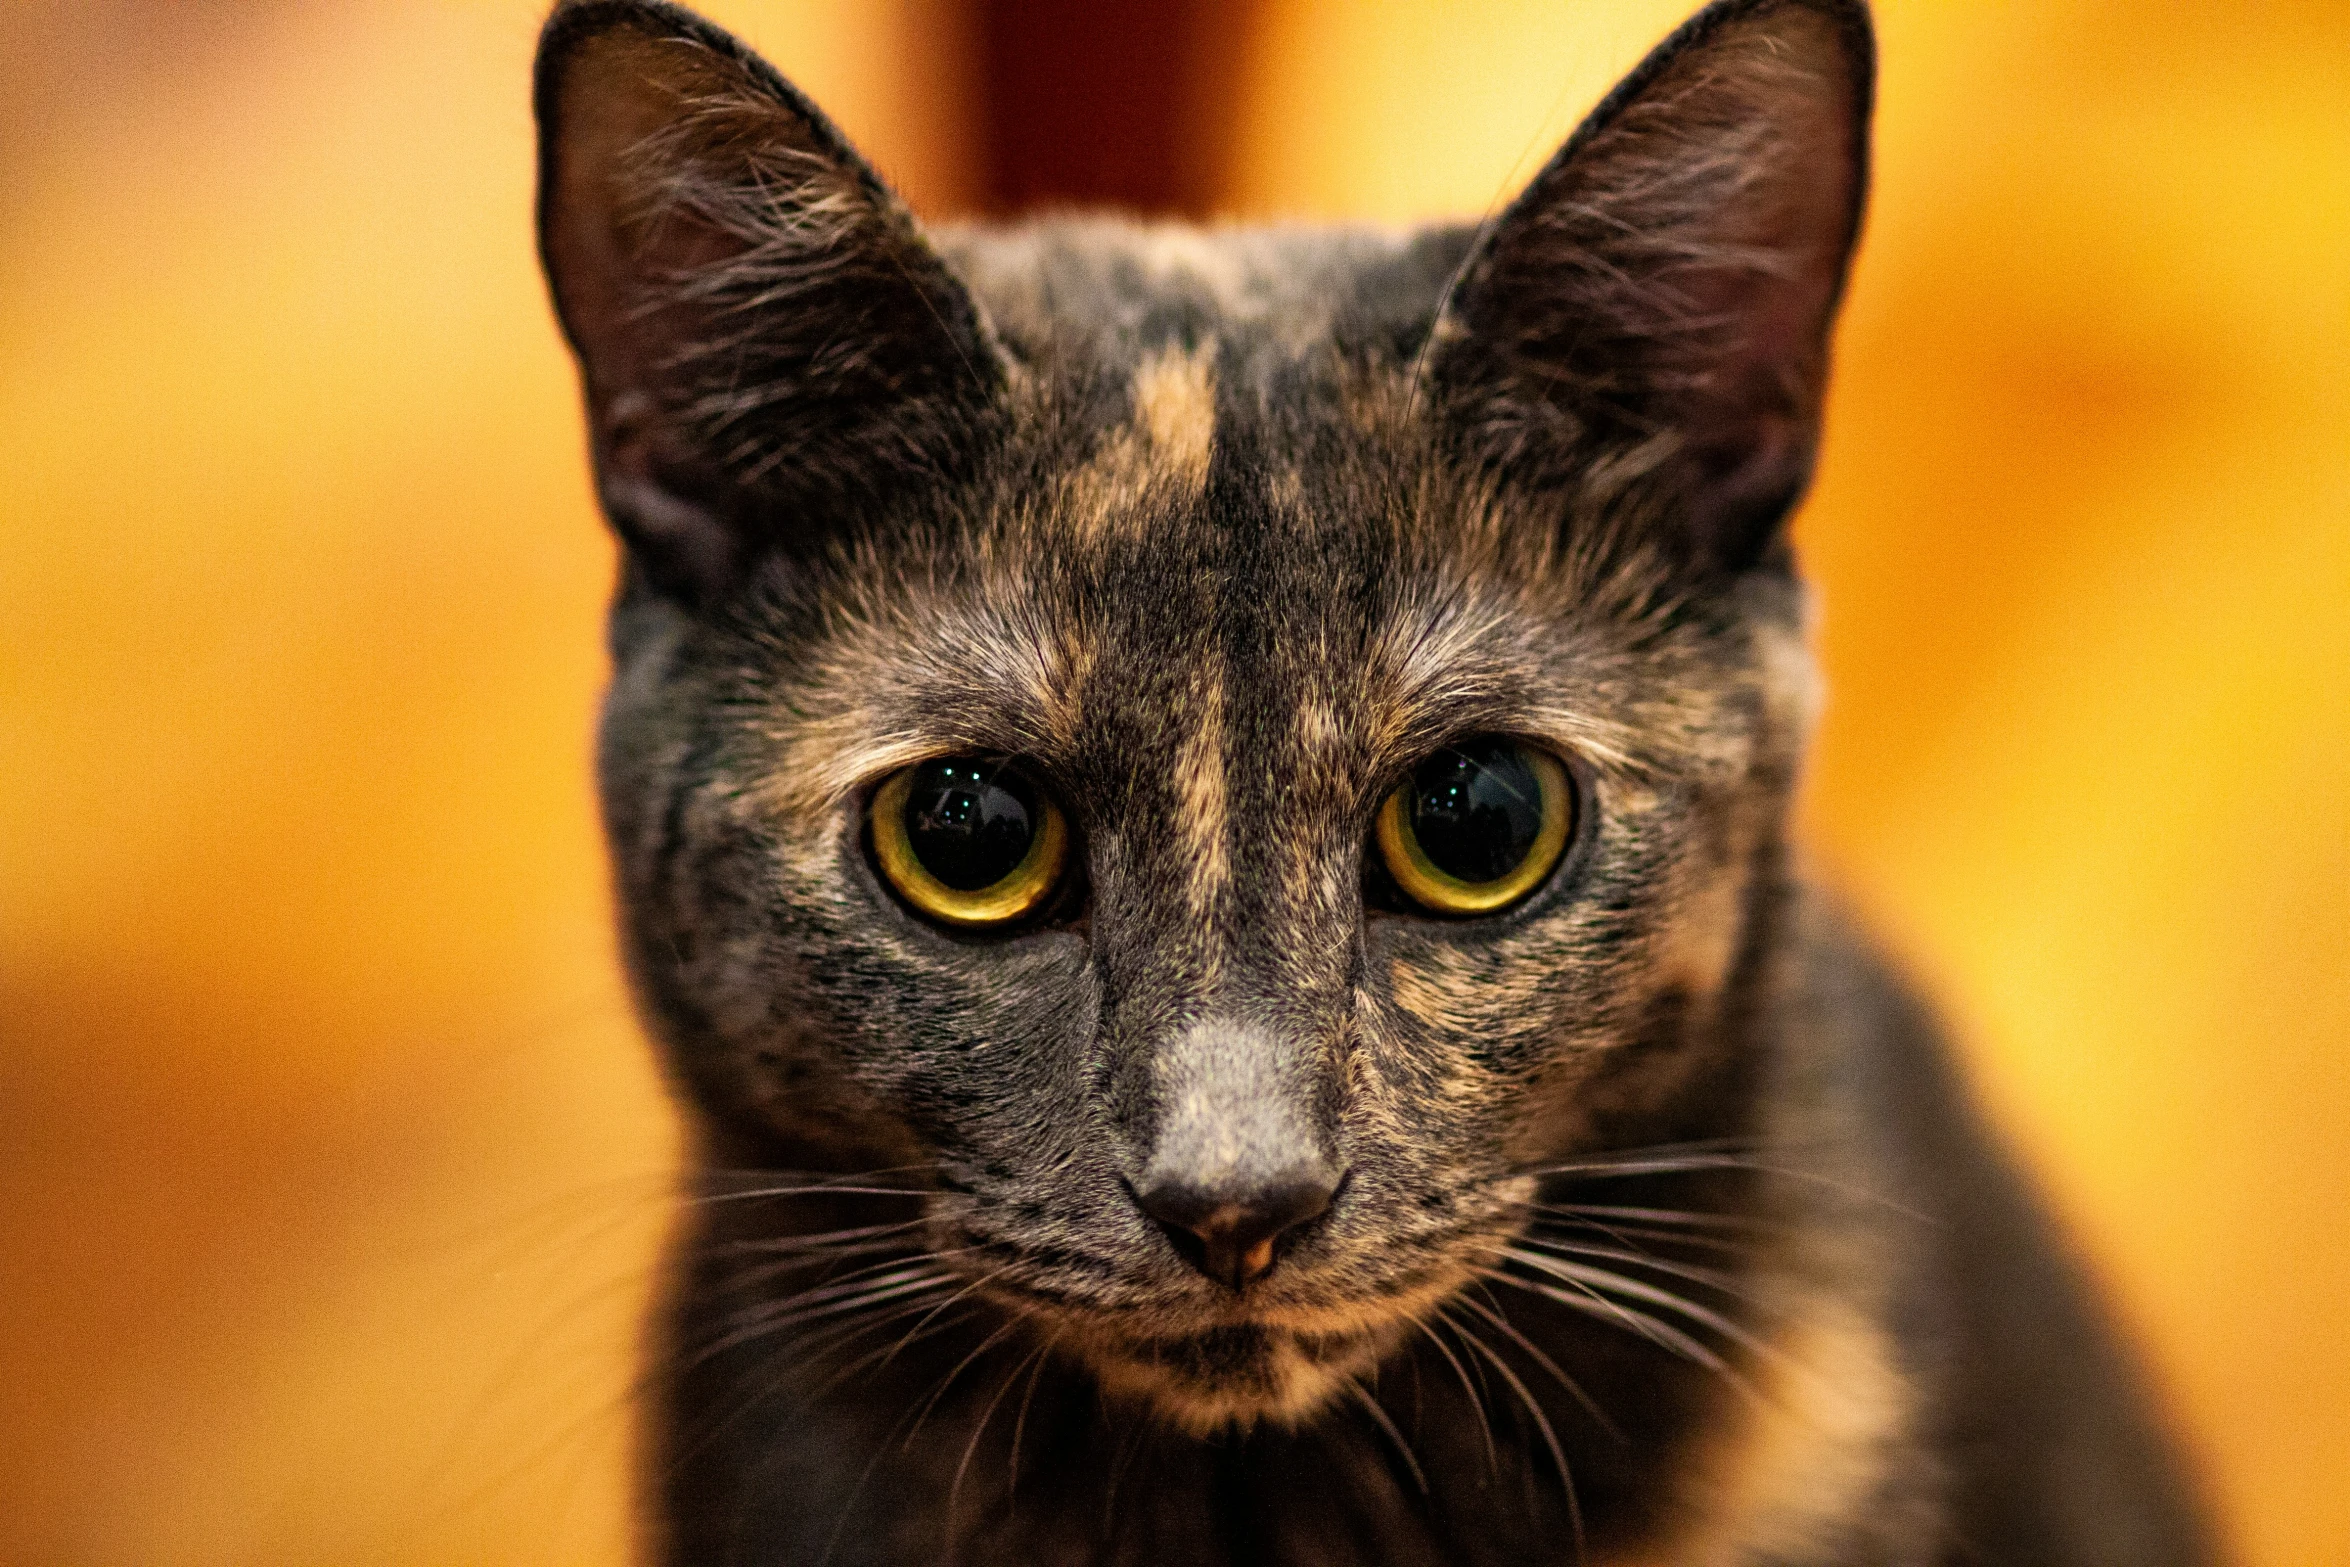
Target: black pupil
969	821
1476	810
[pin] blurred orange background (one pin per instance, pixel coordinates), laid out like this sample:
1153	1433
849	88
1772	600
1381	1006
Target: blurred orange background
331	1167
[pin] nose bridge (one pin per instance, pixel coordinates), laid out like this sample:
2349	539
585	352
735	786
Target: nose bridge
1235	1106
1224	947
1226	940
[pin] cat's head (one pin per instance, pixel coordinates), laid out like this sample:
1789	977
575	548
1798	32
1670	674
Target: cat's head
1221	751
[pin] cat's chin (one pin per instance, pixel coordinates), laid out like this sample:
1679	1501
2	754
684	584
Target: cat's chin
1232	1378
1210	1367
1273	1367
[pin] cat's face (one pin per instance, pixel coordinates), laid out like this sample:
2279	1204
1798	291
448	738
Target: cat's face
1205	547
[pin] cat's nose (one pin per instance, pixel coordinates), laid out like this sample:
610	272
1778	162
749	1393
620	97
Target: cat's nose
1233	1234
1235	1155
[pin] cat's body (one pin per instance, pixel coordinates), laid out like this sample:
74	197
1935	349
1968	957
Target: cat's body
1641	1218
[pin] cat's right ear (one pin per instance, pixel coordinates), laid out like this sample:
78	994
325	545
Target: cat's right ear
770	349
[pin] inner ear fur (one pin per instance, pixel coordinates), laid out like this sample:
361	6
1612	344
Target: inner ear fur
1652	314
769	347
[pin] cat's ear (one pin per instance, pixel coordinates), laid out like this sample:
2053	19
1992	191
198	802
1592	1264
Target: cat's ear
1654	309
769	346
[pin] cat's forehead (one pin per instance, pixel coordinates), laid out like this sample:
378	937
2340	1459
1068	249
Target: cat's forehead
1242	402
1223	520
1088	297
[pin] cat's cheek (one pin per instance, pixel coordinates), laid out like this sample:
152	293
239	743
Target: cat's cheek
1502	999
939	1032
804	1098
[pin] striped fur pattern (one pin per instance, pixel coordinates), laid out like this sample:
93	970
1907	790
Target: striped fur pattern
1664	1235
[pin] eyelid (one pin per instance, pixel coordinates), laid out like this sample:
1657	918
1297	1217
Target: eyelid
1396	768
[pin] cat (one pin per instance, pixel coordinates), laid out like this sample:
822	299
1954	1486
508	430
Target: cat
1199	817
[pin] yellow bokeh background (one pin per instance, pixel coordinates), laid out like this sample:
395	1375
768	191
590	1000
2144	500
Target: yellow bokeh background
331	1167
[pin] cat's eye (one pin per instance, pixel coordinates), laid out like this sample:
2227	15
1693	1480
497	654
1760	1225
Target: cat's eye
1477	826
968	840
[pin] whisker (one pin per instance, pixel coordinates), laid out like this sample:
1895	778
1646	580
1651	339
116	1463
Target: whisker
1607	1281
1640	1158
889	1270
1630	1236
1484	1419
511	1370
1581	1297
968	1289
751	1263
773	1322
781	1378
956	1488
750	1277
752	1185
825	1240
947	1382
1550	1439
1676	1159
827	1190
1127	1451
1379	1416
1670	1217
1711	1278
1020	1421
848	1507
1591	1303
718	1173
891	1254
911	1301
929	1326
1655	1329
1672	1164
1494	1314
566	1434
879	1358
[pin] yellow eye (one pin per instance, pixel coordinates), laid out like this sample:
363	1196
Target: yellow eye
967	840
1477	826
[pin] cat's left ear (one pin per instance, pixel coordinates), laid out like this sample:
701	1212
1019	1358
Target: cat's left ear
1652	314
769	346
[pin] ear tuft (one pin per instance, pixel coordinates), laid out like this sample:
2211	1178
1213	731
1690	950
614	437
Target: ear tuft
769	347
1653	311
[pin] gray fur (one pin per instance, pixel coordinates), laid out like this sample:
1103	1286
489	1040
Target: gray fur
1232	1109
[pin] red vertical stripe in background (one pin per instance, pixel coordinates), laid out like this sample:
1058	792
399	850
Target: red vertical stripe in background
1085	104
